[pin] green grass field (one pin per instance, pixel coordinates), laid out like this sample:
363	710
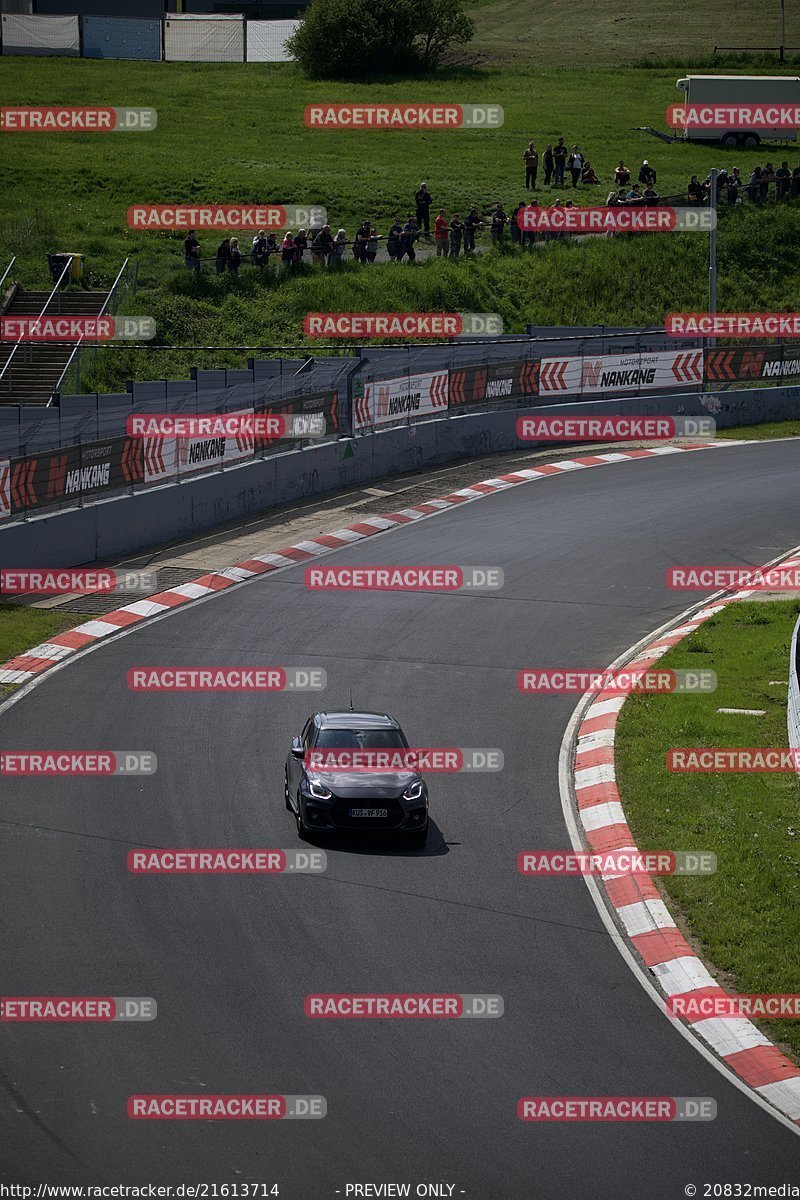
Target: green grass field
22	627
747	915
611	32
235	133
760	433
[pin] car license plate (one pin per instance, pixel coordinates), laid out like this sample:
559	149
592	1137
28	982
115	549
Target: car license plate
369	812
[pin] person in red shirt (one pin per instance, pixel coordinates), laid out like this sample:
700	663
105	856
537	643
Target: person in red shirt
440	234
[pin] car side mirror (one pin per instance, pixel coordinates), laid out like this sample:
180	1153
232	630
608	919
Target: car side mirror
297	748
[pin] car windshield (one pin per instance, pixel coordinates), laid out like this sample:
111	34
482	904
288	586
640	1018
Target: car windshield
359	739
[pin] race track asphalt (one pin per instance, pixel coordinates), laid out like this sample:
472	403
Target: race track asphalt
229	959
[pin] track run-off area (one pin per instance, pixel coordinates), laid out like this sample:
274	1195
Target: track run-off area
230	959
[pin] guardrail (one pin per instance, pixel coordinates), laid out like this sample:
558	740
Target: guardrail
5	374
65	382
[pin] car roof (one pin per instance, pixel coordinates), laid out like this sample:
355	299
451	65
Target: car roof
354	720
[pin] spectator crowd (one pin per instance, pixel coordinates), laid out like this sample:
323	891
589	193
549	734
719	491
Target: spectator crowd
562	167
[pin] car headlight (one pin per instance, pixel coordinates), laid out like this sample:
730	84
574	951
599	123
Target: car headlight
318	790
414	791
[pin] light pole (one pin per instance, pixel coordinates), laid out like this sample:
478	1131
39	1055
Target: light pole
712	251
783	30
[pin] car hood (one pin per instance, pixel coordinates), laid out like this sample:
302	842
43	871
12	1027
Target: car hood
380	785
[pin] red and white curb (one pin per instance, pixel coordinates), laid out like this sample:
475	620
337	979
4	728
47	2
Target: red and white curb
637	903
44	656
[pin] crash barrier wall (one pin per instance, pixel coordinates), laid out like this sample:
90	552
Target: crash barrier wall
793	706
92	469
378	387
176	37
117	526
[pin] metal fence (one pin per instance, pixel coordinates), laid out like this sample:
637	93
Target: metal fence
193	37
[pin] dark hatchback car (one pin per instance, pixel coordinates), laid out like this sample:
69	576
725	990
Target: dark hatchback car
329	797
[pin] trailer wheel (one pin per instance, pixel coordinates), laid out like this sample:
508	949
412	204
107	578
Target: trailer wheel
729	140
751	140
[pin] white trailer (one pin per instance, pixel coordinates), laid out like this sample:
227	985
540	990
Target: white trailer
736	90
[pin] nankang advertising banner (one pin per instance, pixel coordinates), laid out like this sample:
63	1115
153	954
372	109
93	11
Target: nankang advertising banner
404	398
494	381
744	364
662	370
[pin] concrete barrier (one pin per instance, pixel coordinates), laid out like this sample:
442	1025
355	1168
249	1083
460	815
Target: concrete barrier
123	525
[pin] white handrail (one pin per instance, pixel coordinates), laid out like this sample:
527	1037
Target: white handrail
17	344
77	347
5	273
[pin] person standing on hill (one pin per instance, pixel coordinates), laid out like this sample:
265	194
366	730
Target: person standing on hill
440	234
575	164
548	162
259	252
424	200
393	240
498	224
235	259
191	251
531	160
471	226
321	246
560	161
288	251
456	233
223	255
407	238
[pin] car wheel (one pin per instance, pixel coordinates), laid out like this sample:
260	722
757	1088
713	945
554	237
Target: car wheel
418	838
286	799
730	141
751	141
